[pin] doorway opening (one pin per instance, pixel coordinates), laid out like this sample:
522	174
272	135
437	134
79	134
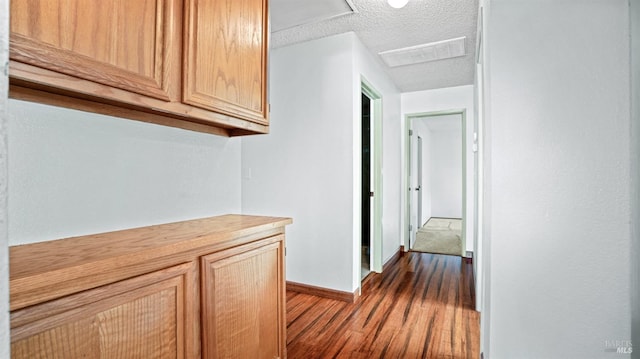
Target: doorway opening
369	255
435	178
367	193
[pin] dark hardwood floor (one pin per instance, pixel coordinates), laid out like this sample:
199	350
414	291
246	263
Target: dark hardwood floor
422	306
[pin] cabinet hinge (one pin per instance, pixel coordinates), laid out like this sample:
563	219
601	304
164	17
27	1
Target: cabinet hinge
410	132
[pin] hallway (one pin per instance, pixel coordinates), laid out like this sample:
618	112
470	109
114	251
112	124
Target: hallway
441	236
421	306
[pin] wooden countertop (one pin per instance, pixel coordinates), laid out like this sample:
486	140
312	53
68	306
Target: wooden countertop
47	270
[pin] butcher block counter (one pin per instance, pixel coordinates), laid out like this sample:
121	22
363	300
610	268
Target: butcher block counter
205	288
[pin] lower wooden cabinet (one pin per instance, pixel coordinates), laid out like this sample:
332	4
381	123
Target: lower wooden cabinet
209	288
242	303
152	316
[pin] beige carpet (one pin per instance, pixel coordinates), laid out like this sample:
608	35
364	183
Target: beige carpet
440	235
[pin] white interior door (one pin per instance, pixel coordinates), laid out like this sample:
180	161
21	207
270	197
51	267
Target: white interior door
372	183
375	181
413	185
419	183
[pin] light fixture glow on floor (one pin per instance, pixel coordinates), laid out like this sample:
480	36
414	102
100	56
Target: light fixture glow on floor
397	3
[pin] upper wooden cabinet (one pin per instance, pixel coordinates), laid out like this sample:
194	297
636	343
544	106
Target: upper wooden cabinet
226	57
197	64
130	45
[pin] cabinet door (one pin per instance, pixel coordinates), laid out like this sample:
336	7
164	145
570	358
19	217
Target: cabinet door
225	59
130	45
243	303
150	316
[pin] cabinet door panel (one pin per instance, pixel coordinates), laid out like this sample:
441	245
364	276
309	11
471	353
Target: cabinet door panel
226	57
242	303
149	321
131	45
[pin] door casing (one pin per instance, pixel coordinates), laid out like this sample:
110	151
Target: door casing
406	233
376	174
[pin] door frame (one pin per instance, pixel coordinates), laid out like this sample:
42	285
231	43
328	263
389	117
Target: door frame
376	175
419	160
408	118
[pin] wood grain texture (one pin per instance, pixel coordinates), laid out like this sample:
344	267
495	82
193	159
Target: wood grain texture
74	264
390	263
243	303
323	292
225	58
129	45
421	306
29	83
125	59
342	295
152	316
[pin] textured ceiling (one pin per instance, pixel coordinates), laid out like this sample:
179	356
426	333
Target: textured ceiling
381	28
288	13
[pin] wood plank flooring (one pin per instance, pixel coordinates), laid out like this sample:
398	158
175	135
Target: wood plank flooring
422	306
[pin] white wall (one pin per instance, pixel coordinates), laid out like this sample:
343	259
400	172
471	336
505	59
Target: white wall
4	242
303	168
452	98
446	169
306	167
74	173
559	171
635	175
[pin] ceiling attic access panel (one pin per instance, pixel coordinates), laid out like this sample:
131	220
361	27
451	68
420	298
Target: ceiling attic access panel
225	58
129	45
